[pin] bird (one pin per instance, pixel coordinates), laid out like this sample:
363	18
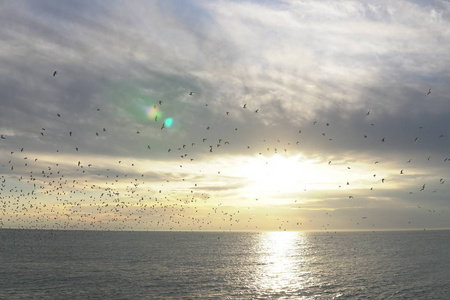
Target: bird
3	137
191	93
429	92
256	111
368	113
54	73
160	102
245	106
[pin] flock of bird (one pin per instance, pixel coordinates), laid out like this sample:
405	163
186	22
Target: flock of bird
54	195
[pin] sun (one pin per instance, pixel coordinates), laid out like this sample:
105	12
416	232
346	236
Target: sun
276	173
284	175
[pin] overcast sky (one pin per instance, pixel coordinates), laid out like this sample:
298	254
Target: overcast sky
225	115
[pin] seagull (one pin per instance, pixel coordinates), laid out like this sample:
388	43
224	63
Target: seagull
54	73
429	92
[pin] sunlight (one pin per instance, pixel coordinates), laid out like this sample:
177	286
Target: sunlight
284	174
283	257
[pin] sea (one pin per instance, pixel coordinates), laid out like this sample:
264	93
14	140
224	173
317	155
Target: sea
58	264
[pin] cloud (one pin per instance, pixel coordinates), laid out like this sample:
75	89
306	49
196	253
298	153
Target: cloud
345	82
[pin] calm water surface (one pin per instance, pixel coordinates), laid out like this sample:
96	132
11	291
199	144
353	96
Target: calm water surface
38	264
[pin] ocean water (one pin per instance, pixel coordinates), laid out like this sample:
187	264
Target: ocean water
41	264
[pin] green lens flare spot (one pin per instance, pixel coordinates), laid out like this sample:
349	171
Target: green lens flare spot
168	122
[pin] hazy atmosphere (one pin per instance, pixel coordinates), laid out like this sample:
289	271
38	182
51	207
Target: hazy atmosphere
225	115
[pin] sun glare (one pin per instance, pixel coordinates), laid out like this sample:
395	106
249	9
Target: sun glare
284	174
282	254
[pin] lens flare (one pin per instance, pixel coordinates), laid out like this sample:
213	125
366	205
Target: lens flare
168	122
153	112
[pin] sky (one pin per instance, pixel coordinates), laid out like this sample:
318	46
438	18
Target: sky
225	115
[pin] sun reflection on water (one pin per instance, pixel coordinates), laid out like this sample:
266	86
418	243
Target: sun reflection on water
284	263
